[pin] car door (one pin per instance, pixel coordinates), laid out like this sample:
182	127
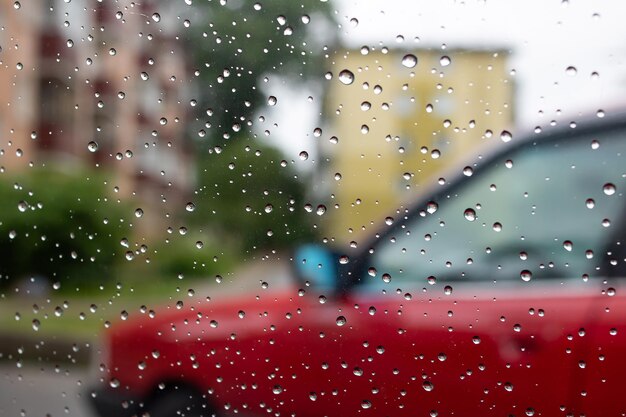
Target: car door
488	289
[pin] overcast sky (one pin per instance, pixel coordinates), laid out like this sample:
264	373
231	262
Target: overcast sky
544	36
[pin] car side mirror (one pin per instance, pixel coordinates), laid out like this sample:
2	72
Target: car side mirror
317	265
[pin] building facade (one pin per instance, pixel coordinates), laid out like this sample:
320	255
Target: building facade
97	84
396	120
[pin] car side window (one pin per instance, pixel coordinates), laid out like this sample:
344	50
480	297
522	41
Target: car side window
512	219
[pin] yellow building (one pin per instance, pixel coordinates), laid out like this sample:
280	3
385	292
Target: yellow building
396	119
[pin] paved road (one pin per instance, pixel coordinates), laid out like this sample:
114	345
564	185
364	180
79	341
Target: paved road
41	391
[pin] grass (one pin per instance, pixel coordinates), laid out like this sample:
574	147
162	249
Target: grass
82	316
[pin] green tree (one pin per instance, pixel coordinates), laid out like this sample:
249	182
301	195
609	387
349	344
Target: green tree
250	195
239	42
60	226
246	196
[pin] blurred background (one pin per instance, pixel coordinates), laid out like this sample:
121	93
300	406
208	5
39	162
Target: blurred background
153	151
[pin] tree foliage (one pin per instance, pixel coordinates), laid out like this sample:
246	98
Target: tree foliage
237	43
246	196
60	226
249	195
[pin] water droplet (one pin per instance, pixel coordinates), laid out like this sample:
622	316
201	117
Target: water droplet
190	207
304	155
366	105
341	321
36	324
138	212
568	245
321	209
346	77
431	280
22	206
609	188
447	290
114	383
571	71
92	146
409	60
497	227
476	340
268	208
432	207
366	404
445	61
526	275
388	221
428	386
156	17
590	203
468	171
610	292
469	214
271	101
506	136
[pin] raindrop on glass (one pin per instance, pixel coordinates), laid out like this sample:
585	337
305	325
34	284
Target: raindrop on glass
469	214
409	60
526	275
346	77
608	188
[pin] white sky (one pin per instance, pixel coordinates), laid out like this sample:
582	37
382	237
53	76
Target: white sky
544	36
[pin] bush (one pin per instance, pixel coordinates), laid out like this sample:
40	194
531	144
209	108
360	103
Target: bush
250	199
60	226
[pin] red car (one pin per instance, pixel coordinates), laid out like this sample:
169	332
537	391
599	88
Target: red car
500	293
